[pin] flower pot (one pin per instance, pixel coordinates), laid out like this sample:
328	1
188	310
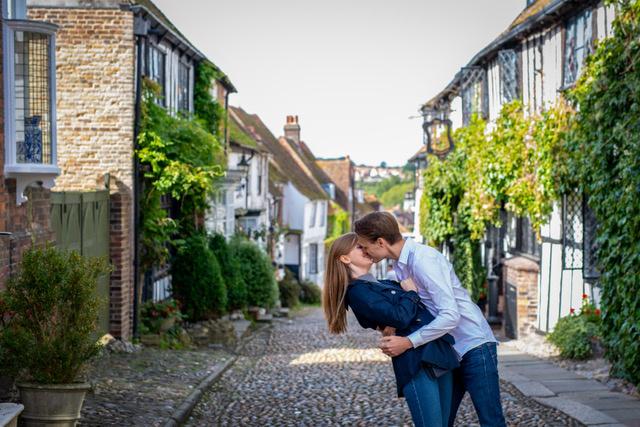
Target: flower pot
51	404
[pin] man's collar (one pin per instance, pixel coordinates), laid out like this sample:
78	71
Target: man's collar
407	249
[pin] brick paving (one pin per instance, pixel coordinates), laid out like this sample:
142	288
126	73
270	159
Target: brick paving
296	373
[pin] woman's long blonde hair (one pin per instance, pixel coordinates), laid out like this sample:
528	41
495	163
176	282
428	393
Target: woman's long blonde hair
336	281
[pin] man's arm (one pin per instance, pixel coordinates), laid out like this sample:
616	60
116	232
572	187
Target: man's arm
437	276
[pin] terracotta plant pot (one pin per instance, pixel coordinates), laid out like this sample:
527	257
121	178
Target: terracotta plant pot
52	404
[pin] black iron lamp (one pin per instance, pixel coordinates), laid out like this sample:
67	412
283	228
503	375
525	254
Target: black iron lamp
437	129
244	161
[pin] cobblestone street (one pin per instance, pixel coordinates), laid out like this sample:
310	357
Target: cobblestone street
296	373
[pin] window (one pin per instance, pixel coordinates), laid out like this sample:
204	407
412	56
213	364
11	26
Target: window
473	93
578	45
259	185
312	216
183	88
313	258
572	231
157	71
323	214
15	9
508	61
30	119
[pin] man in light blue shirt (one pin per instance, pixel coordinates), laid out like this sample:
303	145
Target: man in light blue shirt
454	312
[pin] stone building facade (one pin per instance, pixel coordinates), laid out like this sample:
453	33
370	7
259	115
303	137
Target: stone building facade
104	49
95	92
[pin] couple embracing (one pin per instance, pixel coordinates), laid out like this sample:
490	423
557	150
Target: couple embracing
440	343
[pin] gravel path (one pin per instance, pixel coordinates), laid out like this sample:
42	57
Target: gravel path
297	374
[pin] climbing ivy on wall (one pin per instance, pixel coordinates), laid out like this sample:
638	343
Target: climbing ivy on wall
180	159
604	162
509	165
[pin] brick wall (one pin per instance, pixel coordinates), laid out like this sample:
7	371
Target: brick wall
28	222
95	105
523	274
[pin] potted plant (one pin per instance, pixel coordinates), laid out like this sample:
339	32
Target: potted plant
51	335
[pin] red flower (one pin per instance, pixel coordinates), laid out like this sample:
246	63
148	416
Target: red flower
572	310
597	312
585	296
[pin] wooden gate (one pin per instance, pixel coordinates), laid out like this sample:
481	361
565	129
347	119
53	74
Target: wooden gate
80	222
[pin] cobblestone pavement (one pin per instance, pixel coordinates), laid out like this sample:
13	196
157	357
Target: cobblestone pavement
296	374
144	388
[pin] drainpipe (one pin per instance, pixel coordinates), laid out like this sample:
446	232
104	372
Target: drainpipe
140	37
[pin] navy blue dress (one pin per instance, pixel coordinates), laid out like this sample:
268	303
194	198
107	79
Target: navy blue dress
384	303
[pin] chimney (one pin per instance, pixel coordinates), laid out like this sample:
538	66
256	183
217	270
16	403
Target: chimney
292	129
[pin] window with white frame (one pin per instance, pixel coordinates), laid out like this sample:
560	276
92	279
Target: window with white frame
183	87
313	258
312	216
30	117
157	71
323	214
578	45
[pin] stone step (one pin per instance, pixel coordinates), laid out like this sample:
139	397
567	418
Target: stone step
9	413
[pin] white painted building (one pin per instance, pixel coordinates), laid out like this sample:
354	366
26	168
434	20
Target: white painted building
535	59
241	203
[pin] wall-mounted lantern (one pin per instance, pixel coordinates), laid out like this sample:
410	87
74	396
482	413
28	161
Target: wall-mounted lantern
437	130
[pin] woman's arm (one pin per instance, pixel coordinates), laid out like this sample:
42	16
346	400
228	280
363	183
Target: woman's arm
376	309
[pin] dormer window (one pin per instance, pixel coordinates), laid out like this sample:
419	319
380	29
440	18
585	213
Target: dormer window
30	116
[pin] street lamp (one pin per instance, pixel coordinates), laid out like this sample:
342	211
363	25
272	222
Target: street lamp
244	161
437	128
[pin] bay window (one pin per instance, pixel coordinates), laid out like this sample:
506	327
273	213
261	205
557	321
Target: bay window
29	101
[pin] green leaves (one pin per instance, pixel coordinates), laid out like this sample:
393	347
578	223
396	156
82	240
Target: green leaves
181	158
54	310
604	160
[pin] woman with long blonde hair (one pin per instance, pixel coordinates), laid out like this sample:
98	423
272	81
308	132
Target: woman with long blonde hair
423	374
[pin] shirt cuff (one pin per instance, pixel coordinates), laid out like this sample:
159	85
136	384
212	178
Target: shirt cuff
415	339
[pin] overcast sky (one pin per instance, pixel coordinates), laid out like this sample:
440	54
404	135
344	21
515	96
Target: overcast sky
352	70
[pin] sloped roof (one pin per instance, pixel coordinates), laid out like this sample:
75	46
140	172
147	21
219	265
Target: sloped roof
240	134
541	14
283	166
161	18
338	170
421	154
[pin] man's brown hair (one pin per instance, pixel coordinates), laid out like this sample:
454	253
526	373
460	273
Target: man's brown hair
378	224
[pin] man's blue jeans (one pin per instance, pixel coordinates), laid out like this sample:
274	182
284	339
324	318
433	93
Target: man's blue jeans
429	399
478	374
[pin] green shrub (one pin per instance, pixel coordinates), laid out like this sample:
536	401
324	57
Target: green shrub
230	268
54	309
197	281
572	335
256	272
311	293
290	290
